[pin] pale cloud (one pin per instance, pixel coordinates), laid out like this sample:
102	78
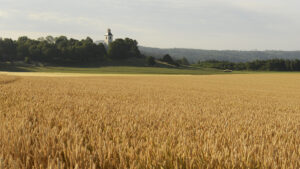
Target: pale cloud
211	24
268	6
56	18
3	14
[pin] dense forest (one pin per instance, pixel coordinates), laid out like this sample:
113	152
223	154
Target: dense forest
262	65
194	55
64	51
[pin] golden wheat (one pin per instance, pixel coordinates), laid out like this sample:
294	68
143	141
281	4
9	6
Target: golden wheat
216	121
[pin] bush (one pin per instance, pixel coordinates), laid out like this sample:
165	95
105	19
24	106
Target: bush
150	61
27	60
167	58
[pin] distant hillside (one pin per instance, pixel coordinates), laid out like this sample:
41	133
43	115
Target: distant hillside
99	41
194	55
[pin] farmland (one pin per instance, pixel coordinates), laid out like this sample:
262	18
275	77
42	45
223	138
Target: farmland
137	121
114	70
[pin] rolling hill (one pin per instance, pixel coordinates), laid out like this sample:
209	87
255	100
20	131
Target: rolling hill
194	55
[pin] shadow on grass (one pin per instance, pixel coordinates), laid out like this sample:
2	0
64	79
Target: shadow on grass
12	68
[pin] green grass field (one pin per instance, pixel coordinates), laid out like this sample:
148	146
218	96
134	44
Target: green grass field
123	70
114	70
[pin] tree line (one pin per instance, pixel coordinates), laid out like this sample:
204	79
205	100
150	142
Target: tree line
263	65
64	51
194	55
61	50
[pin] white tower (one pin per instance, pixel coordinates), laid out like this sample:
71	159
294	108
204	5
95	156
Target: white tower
108	37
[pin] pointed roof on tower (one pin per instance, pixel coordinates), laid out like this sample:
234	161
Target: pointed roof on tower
108	33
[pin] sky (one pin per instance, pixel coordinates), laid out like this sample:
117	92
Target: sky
199	24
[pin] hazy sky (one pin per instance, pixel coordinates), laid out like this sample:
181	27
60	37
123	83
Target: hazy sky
204	24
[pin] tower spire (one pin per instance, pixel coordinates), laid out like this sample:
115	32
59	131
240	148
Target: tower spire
108	37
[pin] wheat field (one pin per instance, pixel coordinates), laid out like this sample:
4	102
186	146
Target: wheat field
112	122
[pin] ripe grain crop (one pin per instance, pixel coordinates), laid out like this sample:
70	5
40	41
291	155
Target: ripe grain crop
210	121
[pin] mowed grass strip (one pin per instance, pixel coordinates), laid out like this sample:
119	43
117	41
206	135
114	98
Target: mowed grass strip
215	121
116	70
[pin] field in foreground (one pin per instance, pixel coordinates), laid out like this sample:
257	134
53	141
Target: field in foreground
215	121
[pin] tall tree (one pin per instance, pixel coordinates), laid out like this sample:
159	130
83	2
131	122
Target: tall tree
123	49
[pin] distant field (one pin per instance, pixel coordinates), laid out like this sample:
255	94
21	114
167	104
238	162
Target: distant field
128	70
114	70
122	121
119	70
